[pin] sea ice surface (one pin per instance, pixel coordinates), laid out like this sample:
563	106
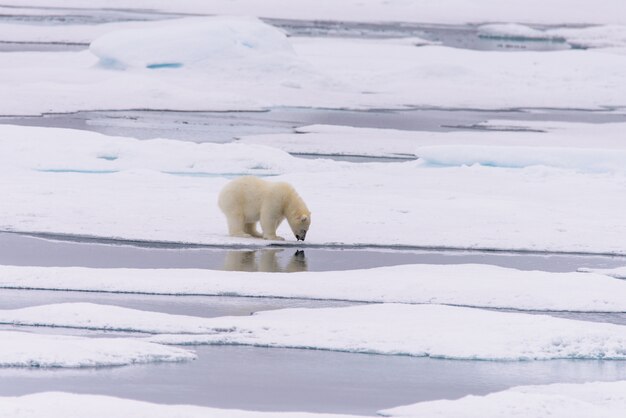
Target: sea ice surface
23	349
212	43
596	399
619	273
106	187
461	285
392	329
418	330
515	31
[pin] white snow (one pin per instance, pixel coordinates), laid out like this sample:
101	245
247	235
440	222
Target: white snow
589	143
619	273
560	189
516	31
22	349
215	44
70	405
466	285
597	399
52	149
329	73
603	36
518	157
103	317
418	330
424	11
392	329
440	76
532	208
576	146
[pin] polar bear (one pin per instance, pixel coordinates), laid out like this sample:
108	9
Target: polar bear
248	200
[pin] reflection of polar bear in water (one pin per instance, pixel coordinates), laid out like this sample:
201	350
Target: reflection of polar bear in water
267	261
248	200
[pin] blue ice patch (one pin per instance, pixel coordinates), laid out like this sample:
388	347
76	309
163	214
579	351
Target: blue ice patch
108	157
111	64
164	65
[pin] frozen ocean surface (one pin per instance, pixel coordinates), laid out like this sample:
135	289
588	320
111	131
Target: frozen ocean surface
317	381
493	83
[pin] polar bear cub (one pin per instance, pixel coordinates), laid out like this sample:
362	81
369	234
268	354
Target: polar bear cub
248	200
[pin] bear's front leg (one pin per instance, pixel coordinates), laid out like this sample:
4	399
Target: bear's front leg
250	228
269	224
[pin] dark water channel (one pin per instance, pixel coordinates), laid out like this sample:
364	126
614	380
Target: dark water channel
303	380
221	127
28	250
466	36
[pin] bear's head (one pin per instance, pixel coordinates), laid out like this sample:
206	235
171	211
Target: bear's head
300	225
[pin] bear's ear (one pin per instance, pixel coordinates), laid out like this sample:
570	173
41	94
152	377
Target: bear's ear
304	218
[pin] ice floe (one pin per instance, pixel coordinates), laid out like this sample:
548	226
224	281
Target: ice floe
464	285
518	157
107	188
603	36
104	317
448	77
329	73
70	405
22	349
590	147
212	44
560	144
515	31
619	273
418	330
443	11
392	329
596	399
69	150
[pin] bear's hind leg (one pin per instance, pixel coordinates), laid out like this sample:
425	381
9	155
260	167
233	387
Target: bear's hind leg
250	228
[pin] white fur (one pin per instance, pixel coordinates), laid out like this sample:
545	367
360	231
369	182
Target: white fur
248	200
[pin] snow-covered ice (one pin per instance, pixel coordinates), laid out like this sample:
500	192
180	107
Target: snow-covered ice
69	405
215	44
392	329
52	149
558	144
596	399
49	187
441	11
619	273
519	157
104	317
329	73
465	285
560	187
515	31
22	349
418	330
602	36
